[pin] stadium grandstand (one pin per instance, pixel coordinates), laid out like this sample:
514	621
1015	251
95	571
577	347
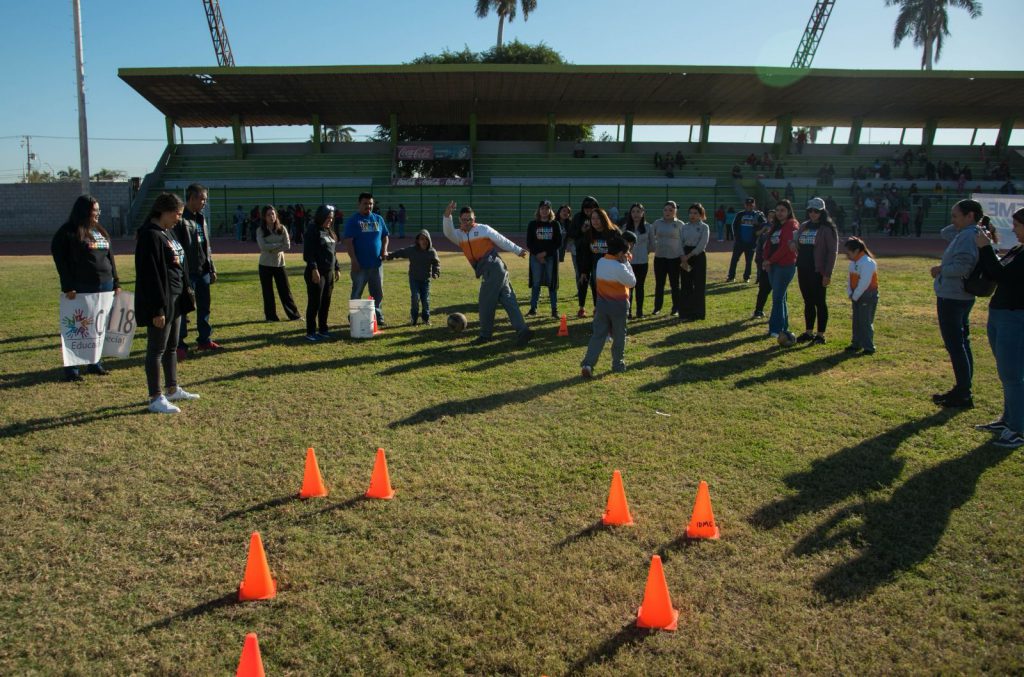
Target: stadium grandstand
505	179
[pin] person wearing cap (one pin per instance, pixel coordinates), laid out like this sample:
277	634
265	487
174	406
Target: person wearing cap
366	241
543	240
611	302
693	265
745	227
817	246
319	249
578	233
668	250
481	246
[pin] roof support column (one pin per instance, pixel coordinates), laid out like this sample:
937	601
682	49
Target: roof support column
393	122
928	134
855	128
627	134
169	121
705	132
551	133
317	148
472	133
1005	129
239	139
783	135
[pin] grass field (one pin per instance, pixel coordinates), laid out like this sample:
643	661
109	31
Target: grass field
864	531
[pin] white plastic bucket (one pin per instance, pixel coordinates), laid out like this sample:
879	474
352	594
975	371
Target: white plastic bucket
360	318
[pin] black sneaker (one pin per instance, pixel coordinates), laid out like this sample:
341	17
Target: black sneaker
1010	440
532	312
939	398
992	427
805	337
480	340
73	377
97	369
958	402
819	340
868	351
850	349
524	337
758	315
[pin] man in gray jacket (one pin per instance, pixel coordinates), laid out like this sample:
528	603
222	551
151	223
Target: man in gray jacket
953	304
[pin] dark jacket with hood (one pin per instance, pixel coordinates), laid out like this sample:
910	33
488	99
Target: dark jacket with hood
158	258
82	264
423	263
193	235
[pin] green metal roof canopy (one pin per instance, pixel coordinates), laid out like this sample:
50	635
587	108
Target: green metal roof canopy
515	94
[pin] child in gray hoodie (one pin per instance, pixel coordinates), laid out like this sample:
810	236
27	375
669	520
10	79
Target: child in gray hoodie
424	266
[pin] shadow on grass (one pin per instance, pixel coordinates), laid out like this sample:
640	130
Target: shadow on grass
628	635
81	418
334	507
683	371
586	532
857	469
227	600
823	363
260	507
478	405
900	533
680	543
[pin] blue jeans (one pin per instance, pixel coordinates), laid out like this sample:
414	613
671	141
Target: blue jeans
201	286
539	271
955	328
1006	336
89	289
374	278
419	293
780	277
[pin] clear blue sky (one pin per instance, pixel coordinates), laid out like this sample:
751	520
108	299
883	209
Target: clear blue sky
38	87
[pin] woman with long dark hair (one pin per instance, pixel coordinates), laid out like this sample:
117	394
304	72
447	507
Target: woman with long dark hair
668	249
85	261
636	223
693	265
818	245
595	246
543	240
272	238
162	296
319	249
579	233
780	264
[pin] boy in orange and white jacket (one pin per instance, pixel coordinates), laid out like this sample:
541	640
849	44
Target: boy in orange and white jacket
862	290
614	278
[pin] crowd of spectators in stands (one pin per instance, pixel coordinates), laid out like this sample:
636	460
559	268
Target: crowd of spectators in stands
668	162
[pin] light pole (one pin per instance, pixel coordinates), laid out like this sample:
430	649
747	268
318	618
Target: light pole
83	132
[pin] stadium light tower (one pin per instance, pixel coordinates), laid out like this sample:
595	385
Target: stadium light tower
219	33
812	34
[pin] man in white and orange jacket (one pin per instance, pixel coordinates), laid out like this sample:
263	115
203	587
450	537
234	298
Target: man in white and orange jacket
481	245
614	277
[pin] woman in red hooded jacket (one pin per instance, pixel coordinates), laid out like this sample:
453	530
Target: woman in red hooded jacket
780	264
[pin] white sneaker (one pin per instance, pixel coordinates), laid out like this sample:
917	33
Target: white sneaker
181	394
161	406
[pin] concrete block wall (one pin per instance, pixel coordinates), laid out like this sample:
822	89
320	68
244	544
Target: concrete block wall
30	211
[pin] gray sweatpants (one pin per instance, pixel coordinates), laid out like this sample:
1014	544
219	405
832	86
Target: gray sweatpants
864	320
609	318
495	288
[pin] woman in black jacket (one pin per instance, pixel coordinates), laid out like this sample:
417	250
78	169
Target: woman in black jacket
82	252
322	271
162	296
1006	331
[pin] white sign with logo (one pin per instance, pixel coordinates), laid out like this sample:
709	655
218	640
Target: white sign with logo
96	325
1000	209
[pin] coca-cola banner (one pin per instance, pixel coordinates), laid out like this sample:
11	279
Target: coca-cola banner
436	151
418	152
430	181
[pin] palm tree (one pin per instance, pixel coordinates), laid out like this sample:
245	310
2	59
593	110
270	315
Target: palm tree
69	174
108	175
220	140
504	9
337	133
927	22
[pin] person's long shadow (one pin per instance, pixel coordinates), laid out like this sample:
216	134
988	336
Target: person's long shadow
628	635
206	607
683	371
823	363
856	469
479	405
707	334
903	531
78	418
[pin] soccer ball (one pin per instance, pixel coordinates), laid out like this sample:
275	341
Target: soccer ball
786	338
457	322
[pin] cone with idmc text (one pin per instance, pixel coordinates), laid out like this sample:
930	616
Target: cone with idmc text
312	482
380	481
257	583
702	522
251	664
563	329
656	610
616	512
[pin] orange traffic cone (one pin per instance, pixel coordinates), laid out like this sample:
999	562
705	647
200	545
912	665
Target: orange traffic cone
563	329
374	325
380	481
616	513
702	522
257	583
312	482
656	610
251	664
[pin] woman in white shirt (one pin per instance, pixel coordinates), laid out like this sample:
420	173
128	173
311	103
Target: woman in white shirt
668	248
272	238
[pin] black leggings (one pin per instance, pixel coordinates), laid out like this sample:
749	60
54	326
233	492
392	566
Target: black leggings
764	289
318	300
692	287
160	351
269	275
636	294
815	305
662	267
